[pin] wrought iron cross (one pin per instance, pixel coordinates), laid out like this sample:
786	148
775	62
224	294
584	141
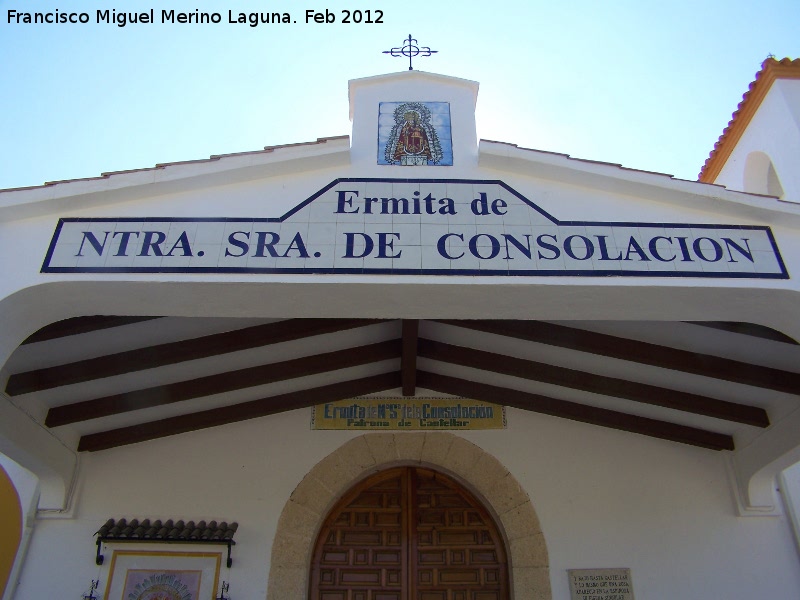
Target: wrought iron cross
410	49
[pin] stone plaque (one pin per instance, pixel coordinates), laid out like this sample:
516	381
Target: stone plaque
600	584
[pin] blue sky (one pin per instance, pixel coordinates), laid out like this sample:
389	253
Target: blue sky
645	84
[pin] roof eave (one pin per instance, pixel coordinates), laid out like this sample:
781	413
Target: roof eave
168	178
614	178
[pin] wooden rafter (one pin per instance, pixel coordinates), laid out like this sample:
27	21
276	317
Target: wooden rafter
408	364
222	383
176	352
588	382
640	352
576	412
238	412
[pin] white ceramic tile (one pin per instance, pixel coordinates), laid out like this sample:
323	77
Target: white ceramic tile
434	260
325	260
410	258
65	255
213	232
347	263
320	212
410	235
205	255
322	233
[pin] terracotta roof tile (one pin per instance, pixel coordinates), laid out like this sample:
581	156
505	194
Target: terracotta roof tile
771	69
169	530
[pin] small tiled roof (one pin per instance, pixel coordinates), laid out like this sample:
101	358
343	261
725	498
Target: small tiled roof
123	529
771	69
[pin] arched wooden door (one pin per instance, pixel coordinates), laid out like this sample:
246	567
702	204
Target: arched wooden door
409	534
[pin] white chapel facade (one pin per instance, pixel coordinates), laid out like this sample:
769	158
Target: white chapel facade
407	363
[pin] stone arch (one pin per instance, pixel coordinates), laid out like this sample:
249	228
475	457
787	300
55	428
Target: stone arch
760	176
10	525
316	494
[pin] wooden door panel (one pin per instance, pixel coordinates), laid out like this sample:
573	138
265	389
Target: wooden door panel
409	534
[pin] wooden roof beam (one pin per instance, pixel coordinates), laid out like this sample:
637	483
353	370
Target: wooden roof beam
597	384
408	364
640	352
238	412
176	352
575	412
222	383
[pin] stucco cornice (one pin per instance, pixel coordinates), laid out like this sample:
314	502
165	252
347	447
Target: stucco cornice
166	178
616	179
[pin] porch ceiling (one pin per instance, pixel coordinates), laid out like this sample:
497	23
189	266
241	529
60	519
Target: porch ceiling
121	380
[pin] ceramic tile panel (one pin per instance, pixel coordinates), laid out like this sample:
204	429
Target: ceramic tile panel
415	226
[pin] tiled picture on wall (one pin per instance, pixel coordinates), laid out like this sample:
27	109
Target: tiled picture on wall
414	134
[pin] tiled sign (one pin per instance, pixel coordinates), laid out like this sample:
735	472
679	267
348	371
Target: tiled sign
404	414
414	227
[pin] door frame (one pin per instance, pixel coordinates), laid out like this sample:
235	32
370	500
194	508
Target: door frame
478	471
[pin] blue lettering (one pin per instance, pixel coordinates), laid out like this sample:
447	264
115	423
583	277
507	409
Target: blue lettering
525	249
554	249
298	245
385	244
698	249
345	200
262	244
183	242
441	245
589	247
494	244
653	245
125	237
748	254
153	244
349	251
241	244
94	242
601	242
633	246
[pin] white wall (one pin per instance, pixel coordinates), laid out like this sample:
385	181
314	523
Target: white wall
775	131
604	499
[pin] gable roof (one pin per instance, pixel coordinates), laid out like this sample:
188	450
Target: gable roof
771	69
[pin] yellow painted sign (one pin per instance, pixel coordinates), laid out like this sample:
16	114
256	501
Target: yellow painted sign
407	414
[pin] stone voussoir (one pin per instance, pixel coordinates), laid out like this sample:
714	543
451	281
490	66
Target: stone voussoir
409	446
312	494
520	521
462	457
299	520
287	583
338	469
436	447
506	494
382	446
532	583
529	551
292	550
